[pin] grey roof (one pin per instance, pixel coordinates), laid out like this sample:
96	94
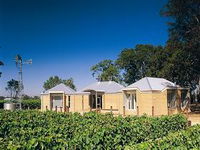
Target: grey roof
105	86
151	84
61	87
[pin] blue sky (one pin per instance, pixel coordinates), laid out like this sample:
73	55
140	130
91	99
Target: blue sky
67	37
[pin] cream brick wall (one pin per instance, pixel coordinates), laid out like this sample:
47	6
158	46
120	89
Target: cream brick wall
80	103
45	101
144	103
115	100
160	103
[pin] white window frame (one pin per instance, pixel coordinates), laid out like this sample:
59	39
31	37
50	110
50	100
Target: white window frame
55	98
172	99
131	101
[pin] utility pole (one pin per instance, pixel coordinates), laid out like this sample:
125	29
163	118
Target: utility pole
19	64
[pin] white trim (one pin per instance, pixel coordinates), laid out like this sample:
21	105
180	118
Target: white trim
56	92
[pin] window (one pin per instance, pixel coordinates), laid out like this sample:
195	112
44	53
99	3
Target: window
131	101
57	101
171	98
184	98
69	101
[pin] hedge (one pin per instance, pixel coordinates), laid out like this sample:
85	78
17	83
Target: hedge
26	104
31	104
2	103
184	140
30	129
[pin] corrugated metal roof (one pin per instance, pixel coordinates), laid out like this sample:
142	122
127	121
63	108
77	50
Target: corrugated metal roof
152	84
105	86
61	87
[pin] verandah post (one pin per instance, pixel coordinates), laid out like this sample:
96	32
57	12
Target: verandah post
124	111
56	109
137	110
67	109
111	109
152	110
168	111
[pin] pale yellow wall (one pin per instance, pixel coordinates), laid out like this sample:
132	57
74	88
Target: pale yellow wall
45	101
160	103
115	100
79	103
144	102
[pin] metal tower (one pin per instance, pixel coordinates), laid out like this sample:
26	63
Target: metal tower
19	64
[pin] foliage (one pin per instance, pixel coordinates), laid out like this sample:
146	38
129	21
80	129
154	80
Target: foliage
13	88
31	104
106	70
69	82
185	139
184	37
26	104
1	64
50	130
2	103
26	97
55	80
141	61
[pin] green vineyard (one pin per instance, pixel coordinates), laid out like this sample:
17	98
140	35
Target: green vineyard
49	130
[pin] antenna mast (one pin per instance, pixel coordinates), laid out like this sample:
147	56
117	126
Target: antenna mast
19	64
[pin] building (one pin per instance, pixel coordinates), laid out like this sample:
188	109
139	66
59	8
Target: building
155	96
151	96
99	95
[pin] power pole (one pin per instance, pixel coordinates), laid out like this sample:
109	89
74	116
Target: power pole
19	64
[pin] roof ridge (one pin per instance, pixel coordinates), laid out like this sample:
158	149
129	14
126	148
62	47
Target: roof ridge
148	83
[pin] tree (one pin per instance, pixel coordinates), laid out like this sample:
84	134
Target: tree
69	82
1	64
51	82
13	88
141	61
106	70
184	37
55	80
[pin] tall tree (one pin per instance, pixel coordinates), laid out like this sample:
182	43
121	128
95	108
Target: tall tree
106	70
1	64
184	37
141	61
13	88
55	80
70	82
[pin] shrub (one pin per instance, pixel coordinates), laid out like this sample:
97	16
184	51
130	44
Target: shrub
50	130
2	103
186	139
31	104
26	104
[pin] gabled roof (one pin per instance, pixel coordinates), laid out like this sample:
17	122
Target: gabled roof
152	84
61	88
105	86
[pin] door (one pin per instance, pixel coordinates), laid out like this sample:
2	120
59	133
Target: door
95	102
99	101
57	101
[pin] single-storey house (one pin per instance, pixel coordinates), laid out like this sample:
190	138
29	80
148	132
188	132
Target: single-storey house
151	96
155	96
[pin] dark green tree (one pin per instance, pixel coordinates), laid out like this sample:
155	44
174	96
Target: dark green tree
55	80
69	82
1	64
106	70
184	40
13	88
141	61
